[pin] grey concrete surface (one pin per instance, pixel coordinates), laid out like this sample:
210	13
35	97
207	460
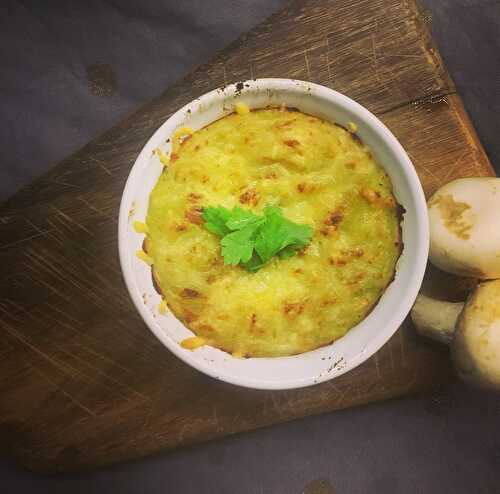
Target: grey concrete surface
447	442
47	105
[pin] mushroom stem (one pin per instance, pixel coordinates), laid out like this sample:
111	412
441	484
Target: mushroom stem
436	319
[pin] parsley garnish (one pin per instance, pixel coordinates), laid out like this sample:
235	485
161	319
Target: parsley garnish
251	240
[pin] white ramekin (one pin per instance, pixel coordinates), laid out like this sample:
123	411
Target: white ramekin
361	341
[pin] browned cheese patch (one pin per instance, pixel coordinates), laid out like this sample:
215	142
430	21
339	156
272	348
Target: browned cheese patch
194	215
250	196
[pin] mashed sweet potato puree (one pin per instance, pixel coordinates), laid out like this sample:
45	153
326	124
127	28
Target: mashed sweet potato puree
320	174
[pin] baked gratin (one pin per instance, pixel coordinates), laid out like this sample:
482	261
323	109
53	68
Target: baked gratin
317	174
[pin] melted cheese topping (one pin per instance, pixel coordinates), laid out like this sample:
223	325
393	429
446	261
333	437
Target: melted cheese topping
319	174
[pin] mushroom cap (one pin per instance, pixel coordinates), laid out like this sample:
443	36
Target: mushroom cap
475	347
464	223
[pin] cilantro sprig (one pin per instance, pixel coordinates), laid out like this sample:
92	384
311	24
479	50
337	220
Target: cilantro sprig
251	240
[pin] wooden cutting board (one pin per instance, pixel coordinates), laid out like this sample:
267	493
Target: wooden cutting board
82	380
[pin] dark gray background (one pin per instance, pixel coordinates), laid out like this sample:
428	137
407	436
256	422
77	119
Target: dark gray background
446	442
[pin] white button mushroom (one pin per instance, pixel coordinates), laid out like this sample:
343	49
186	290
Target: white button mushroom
471	328
464	222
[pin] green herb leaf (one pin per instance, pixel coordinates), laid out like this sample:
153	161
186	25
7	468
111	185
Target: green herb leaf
251	240
288	251
272	211
299	235
240	218
271	237
238	246
278	234
254	264
216	219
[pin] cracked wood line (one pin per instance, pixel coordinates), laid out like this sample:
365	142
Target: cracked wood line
70	220
98	211
126	389
82	335
101	165
45	356
52	270
64	392
84	325
66	368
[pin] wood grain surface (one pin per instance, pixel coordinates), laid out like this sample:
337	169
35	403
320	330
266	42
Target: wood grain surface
82	380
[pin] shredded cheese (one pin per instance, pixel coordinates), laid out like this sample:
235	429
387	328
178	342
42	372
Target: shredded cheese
193	343
179	136
241	108
140	227
163	307
144	257
164	160
352	127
